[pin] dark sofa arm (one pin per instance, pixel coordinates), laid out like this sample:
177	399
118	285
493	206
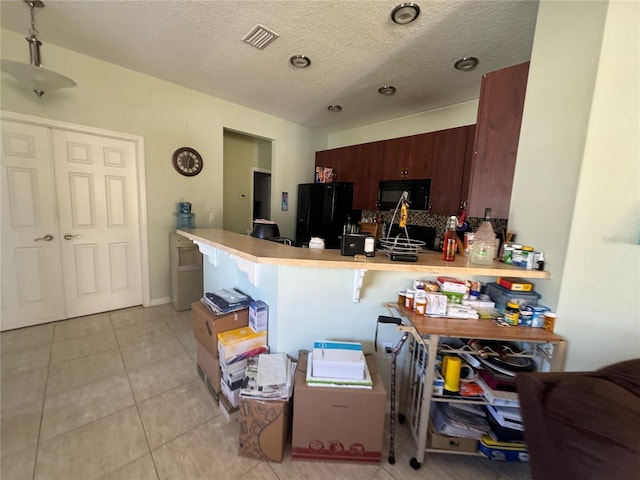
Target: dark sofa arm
583	425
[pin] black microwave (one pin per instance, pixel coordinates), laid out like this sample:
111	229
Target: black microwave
390	191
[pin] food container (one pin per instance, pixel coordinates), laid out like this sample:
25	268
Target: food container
316	242
537	312
502	296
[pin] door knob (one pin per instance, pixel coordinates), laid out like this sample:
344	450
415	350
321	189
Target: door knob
47	238
69	237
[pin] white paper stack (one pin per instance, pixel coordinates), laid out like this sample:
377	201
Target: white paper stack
314	381
338	360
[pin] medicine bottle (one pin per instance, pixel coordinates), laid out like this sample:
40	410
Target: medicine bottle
512	313
408	299
420	300
449	243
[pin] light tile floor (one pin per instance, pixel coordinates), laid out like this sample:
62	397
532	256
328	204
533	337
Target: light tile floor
117	396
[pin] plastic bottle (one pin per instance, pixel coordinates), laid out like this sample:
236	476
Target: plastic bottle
483	250
449	243
420	300
347	229
540	261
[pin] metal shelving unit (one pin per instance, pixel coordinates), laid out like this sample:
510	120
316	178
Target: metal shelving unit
427	340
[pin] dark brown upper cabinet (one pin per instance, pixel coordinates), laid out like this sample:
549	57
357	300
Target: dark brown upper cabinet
359	164
408	157
497	134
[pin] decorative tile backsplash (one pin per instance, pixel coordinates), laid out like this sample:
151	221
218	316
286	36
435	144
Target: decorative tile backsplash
439	222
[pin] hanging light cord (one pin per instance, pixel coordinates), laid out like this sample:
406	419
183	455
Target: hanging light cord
32	31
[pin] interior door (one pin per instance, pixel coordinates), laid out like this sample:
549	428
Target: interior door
98	211
32	290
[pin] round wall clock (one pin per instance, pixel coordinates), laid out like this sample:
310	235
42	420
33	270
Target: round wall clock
187	161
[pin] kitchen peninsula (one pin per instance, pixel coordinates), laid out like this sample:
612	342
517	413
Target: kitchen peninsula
320	294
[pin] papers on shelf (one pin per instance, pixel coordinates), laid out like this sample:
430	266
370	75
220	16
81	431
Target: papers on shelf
498	397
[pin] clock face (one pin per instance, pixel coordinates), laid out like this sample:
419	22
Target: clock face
187	161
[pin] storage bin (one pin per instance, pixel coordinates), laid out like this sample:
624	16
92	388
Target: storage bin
501	296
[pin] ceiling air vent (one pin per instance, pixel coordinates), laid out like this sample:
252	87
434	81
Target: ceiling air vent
260	37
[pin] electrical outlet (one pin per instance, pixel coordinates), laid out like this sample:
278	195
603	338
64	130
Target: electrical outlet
388	348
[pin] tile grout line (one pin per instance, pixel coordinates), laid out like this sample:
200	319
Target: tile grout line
44	398
135	400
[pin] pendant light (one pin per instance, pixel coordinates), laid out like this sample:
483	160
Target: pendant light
32	75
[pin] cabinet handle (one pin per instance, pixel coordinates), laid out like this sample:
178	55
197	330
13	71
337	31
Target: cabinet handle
69	237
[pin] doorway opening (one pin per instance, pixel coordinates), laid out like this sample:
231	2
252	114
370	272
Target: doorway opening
246	180
261	194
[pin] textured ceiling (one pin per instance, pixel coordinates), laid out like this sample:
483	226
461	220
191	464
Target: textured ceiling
354	48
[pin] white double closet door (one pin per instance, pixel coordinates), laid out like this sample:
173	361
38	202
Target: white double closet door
70	224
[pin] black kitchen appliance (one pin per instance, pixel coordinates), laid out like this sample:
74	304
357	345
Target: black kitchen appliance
390	191
322	211
268	230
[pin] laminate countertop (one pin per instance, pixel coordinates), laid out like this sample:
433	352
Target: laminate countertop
265	252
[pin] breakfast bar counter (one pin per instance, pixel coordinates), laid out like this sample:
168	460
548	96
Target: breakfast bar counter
260	251
322	295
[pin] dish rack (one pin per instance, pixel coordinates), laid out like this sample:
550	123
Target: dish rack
401	244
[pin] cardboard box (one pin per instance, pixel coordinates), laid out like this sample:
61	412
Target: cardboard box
209	366
453	285
232	396
338	360
229	411
264	428
452	444
332	423
515	284
258	315
207	325
238	343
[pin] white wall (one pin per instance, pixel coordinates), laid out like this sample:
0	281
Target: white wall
576	192
168	117
447	117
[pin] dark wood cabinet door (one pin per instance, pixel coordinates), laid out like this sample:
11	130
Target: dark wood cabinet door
500	109
450	152
359	164
366	166
408	157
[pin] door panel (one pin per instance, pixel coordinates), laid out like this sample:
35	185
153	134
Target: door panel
99	215
32	290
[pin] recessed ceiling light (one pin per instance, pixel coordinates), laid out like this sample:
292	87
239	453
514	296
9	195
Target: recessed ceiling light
300	61
334	108
466	64
405	13
387	90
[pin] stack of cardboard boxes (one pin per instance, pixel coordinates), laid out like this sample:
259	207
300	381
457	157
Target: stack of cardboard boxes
235	346
206	327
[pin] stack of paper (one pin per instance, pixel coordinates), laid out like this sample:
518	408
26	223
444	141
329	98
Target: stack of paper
313	381
268	376
226	300
338	360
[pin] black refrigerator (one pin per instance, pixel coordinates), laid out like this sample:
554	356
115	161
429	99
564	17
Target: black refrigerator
323	209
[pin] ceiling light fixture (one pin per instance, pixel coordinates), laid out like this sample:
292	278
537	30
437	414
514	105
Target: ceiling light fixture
405	13
300	61
387	90
466	64
334	108
39	79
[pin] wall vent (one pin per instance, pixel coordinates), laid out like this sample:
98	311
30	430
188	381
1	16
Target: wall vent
260	37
